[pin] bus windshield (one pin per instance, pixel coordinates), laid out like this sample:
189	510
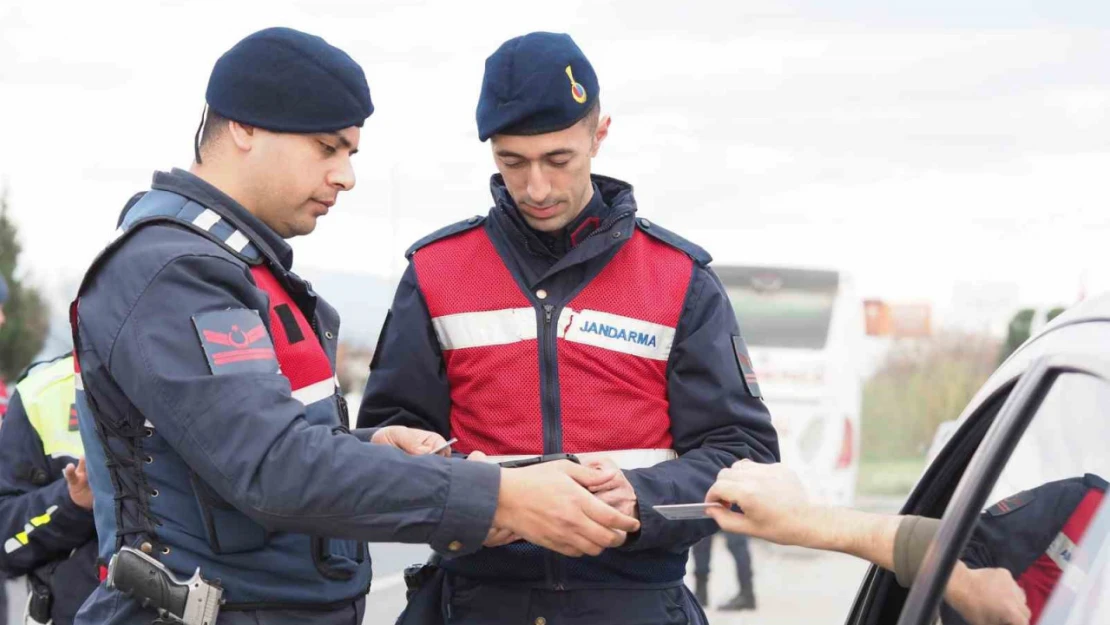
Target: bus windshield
782	307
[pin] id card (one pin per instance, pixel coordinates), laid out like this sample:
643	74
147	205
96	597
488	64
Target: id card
443	446
686	511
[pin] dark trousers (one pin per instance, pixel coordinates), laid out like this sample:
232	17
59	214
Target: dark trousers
737	546
467	602
3	603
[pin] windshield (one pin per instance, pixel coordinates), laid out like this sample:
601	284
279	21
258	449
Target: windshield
781	307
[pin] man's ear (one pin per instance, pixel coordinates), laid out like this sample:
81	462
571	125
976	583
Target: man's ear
600	134
242	135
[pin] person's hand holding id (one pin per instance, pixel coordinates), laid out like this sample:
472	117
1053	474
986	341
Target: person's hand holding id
411	440
616	492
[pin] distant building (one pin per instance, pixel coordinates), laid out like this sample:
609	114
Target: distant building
898	320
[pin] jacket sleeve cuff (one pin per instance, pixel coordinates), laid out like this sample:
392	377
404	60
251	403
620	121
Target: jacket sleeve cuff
70	517
71	512
911	541
655	531
652	524
468	512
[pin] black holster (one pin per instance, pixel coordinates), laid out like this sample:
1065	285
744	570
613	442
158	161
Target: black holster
41	601
424	583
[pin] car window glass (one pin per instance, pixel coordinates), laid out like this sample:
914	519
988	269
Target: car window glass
1084	594
1048	494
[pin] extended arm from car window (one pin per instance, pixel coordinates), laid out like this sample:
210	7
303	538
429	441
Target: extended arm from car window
775	507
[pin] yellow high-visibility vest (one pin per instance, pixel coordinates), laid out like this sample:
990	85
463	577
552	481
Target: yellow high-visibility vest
47	395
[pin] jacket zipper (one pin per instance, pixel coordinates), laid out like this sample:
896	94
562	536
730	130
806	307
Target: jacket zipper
552	428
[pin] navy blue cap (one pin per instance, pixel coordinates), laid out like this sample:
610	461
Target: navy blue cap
284	80
536	83
3	291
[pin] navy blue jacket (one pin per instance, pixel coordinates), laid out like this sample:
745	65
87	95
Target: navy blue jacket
228	471
715	418
60	550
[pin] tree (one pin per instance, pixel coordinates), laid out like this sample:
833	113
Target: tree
1021	327
28	319
920	384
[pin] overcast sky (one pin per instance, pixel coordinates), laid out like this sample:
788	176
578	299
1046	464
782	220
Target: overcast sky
920	145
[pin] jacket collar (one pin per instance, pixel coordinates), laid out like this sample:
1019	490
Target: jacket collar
189	185
612	231
612	200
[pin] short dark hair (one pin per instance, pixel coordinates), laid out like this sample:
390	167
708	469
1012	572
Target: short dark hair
211	129
593	116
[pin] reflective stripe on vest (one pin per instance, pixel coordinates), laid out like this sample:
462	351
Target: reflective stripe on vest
1060	562
47	395
613	341
588	327
626	459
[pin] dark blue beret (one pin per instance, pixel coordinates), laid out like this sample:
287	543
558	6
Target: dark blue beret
3	291
537	83
284	80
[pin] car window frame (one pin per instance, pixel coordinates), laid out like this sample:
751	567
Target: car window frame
978	480
930	497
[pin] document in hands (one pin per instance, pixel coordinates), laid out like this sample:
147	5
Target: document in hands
685	511
443	446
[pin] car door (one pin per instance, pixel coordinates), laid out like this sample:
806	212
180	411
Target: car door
1044	417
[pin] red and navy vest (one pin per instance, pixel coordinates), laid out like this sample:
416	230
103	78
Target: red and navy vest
612	341
531	376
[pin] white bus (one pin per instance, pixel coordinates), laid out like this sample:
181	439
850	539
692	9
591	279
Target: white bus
805	331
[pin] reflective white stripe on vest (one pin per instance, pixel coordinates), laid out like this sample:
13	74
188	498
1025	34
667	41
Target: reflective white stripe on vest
237	241
315	392
626	459
1062	551
485	329
616	333
206	219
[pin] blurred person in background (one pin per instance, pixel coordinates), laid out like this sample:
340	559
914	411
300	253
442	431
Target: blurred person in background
738	547
3	409
46	521
3	384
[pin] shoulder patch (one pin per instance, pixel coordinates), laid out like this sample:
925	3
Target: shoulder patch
236	341
747	370
1011	503
467	224
656	231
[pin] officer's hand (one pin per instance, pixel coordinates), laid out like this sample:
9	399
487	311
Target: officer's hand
549	505
987	596
618	491
410	440
77	479
497	536
774	504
